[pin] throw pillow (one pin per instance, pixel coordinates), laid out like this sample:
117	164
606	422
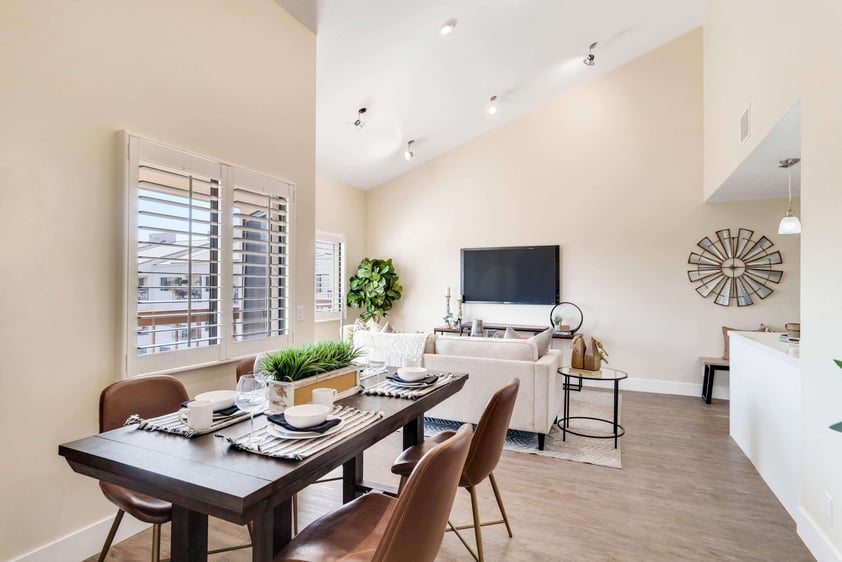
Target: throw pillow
372	325
542	341
359	325
726	329
512	334
387	329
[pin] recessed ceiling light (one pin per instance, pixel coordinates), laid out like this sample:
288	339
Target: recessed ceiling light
448	27
492	105
590	58
359	123
408	154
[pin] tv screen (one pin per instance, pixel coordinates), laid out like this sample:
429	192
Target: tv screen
524	275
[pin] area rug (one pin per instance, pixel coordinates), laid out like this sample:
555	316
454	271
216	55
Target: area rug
591	403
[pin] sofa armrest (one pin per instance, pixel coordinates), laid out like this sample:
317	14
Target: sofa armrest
548	399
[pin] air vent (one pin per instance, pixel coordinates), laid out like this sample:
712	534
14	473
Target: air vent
745	125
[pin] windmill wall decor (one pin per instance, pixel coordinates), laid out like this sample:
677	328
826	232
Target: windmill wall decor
735	268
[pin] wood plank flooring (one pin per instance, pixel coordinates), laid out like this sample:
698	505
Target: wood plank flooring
686	492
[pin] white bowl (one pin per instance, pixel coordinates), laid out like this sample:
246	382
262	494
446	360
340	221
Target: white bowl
221	398
412	374
306	415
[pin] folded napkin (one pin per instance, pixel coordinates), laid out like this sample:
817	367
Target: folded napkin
280	420
229	411
429	379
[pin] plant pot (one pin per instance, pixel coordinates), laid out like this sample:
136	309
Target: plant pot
282	395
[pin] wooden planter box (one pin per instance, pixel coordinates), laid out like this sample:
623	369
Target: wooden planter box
282	395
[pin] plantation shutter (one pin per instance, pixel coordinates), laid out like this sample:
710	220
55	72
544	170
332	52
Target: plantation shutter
329	272
260	256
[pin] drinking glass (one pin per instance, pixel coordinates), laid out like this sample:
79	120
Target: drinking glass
251	397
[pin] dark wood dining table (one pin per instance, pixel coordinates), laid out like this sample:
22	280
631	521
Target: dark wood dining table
206	476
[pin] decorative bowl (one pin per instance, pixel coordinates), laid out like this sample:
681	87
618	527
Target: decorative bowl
412	374
221	399
306	415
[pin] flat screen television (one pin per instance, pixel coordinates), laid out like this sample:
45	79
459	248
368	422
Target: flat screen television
521	275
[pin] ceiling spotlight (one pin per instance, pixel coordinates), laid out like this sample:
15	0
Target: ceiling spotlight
790	223
492	105
359	123
408	154
590	58
447	27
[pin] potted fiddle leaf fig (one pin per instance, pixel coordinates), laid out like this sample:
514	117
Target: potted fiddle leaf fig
374	288
294	372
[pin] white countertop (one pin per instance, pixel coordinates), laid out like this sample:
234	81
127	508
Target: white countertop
770	342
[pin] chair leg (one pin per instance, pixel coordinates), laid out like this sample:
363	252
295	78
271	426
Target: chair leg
500	502
110	538
401	485
156	542
477	522
250	527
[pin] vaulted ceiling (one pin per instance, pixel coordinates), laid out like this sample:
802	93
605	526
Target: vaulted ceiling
417	84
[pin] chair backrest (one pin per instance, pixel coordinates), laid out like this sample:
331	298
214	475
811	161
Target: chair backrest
490	435
147	397
245	367
416	529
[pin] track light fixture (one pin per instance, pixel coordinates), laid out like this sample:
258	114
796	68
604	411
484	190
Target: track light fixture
790	223
492	105
448	27
408	154
359	123
590	58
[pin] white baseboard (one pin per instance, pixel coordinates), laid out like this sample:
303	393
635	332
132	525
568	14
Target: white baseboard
665	387
85	542
816	540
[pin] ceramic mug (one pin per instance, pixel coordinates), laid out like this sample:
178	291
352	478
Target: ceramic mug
324	396
198	415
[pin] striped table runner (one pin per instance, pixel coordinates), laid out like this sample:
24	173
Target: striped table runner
270	445
171	423
392	390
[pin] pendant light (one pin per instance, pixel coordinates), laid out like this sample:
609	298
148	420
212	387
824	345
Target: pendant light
790	223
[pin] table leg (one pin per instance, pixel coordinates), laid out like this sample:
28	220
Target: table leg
189	542
352	474
272	531
705	384
413	432
709	389
616	408
564	420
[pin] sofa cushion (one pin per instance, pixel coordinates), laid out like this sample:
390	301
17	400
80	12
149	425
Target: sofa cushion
488	348
512	334
541	340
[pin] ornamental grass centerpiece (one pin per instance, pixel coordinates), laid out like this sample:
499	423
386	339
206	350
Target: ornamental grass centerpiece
294	373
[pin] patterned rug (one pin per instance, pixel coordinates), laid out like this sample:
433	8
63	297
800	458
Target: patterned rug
600	452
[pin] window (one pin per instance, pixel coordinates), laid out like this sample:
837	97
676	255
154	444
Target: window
207	259
330	273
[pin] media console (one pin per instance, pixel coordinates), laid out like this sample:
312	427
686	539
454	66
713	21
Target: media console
465	328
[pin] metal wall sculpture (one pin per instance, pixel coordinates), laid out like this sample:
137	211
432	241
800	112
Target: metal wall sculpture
735	268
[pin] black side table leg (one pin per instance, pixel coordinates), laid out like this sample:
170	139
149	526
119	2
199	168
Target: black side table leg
709	389
616	409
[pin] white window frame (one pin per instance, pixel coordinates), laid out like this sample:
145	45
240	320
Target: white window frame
332	316
137	148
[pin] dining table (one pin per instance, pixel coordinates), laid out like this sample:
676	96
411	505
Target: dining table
206	476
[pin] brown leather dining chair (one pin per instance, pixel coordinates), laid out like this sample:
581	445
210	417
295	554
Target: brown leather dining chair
147	397
486	448
381	528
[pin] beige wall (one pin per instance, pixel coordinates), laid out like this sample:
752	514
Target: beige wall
233	80
612	172
794	51
340	209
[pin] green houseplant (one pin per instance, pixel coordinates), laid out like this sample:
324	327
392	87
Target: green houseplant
374	288
297	363
293	373
838	425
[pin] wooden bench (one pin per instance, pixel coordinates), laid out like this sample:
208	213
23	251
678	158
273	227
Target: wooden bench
712	364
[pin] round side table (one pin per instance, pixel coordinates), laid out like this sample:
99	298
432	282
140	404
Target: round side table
604	374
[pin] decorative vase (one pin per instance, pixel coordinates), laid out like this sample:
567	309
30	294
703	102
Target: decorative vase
281	395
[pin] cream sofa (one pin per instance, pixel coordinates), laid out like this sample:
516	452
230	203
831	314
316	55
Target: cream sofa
491	363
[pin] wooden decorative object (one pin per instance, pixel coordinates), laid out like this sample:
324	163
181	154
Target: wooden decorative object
282	395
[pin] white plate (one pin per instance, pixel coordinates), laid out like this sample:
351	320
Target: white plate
279	431
221	398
